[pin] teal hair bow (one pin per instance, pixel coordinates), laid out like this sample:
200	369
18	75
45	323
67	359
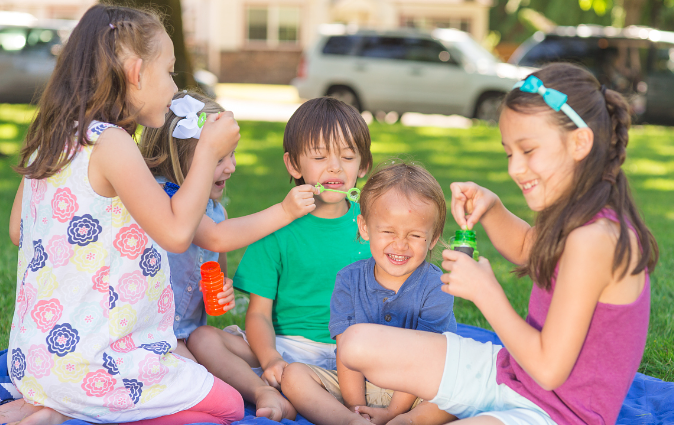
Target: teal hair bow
554	98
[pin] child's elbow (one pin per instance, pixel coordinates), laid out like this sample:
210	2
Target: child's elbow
551	379
176	244
15	237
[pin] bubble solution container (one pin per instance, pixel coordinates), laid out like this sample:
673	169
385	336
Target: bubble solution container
212	281
464	241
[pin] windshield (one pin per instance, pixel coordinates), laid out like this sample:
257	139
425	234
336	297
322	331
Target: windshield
469	51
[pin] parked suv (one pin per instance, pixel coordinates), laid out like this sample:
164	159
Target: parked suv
445	72
28	49
636	61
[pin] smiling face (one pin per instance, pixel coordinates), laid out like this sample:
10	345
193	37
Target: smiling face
400	231
223	171
337	169
157	87
541	160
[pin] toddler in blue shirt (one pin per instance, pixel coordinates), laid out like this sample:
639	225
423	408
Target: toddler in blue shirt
403	214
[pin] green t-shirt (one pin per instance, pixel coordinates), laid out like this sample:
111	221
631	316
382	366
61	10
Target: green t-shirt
296	266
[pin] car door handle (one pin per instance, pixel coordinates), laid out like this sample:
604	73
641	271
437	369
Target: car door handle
360	67
416	70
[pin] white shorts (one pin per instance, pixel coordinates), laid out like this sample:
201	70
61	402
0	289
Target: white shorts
297	349
468	386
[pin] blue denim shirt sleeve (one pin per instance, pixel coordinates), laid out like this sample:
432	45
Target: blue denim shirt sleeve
342	309
437	311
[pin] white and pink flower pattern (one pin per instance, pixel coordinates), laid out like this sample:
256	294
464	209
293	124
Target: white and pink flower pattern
46	314
89	340
131	241
165	300
60	251
40	361
98	383
151	370
118	399
132	286
101	279
64	205
124	345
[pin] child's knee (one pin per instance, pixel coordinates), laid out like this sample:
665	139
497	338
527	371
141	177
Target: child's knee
352	344
203	335
232	410
293	376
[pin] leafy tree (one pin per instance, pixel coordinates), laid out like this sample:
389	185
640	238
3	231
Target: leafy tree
174	23
507	19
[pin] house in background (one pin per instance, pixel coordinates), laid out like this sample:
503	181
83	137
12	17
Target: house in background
261	41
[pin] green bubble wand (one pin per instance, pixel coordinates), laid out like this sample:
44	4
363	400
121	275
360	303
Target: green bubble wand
353	194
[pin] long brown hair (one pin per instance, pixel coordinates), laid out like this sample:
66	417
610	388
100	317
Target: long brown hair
88	83
165	155
598	180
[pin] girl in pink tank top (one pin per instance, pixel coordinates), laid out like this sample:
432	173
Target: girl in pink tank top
589	253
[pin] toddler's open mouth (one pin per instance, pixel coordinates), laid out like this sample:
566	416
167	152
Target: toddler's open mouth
398	259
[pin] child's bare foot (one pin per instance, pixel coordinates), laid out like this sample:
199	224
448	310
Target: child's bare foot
43	416
272	405
16	410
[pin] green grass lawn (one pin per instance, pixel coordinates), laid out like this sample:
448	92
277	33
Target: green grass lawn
451	155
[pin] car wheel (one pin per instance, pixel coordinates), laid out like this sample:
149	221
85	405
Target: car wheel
346	95
488	106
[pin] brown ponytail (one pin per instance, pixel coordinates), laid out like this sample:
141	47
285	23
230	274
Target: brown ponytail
88	83
598	181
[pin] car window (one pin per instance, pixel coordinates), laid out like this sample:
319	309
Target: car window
664	59
423	50
383	47
13	40
41	41
340	45
554	49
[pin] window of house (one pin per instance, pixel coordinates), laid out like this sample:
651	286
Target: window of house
430	23
257	24
273	25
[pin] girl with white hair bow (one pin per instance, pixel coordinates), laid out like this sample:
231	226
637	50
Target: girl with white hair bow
168	152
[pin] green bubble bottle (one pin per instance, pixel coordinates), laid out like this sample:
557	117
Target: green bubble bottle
464	241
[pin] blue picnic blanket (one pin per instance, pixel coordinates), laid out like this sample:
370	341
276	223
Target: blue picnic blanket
649	401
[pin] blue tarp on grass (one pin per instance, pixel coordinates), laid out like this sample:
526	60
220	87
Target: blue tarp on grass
649	401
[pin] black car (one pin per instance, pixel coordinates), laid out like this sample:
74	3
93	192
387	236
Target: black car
636	61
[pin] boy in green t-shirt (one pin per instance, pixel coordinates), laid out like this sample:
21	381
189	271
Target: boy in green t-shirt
291	273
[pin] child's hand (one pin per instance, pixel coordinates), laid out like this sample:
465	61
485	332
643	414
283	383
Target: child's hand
273	372
470	202
377	415
467	278
220	133
299	201
226	297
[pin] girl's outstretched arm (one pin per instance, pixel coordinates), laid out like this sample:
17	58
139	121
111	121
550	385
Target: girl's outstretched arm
549	355
15	217
238	232
117	169
511	236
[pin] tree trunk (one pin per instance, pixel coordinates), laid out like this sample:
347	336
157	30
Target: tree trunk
633	11
174	25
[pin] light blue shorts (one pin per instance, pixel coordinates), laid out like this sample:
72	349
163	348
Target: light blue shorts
468	387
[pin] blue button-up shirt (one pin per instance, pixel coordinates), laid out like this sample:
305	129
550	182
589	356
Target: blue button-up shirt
419	303
185	277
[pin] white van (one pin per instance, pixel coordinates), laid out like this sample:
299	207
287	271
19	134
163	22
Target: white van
444	72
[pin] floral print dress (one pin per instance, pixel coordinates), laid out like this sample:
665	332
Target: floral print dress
92	332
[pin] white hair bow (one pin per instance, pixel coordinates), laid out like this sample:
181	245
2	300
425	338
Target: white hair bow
190	126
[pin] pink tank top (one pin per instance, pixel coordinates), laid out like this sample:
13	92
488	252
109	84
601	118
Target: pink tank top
606	365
